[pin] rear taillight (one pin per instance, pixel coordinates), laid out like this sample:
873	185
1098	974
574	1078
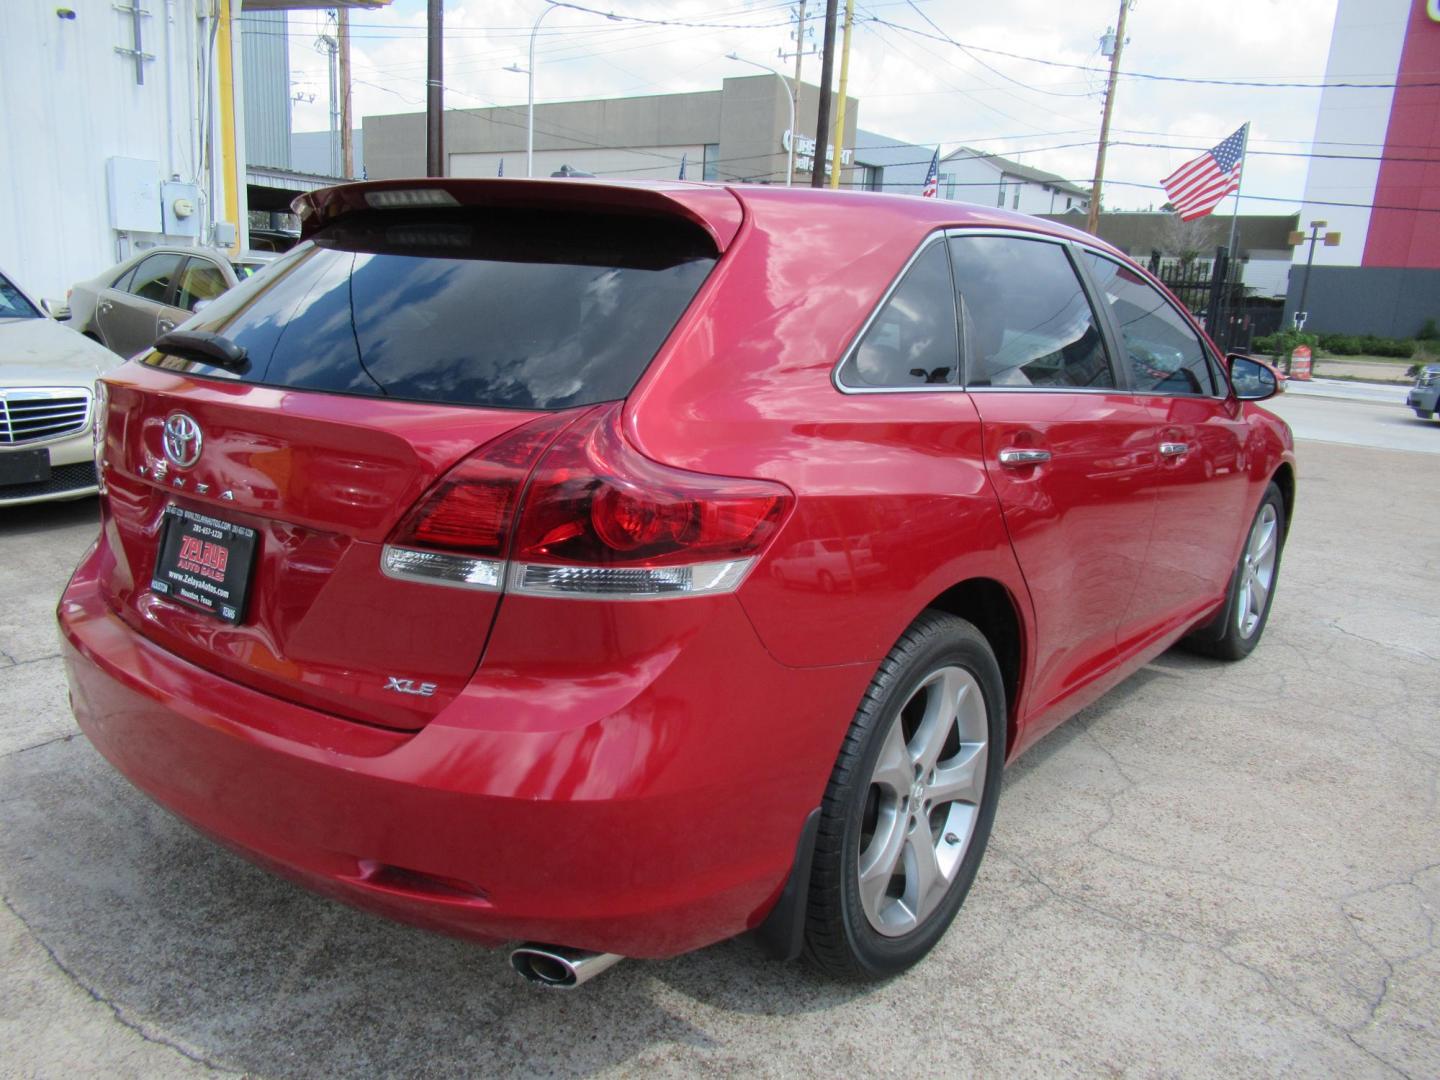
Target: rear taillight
602	520
597	520
458	534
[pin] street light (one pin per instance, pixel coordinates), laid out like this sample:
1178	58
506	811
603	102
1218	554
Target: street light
1332	239
530	106
790	99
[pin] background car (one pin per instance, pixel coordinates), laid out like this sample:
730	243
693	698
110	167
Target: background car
625	567
1424	396
128	306
47	379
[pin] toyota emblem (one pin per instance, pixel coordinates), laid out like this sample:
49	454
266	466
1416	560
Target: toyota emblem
182	439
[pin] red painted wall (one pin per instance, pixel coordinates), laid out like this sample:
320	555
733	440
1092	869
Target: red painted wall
1410	173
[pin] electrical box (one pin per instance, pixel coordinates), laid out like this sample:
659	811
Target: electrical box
180	205
225	234
134	189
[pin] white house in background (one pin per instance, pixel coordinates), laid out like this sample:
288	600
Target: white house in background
974	176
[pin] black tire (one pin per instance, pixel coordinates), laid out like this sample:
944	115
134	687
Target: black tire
1423	415
1223	638
839	938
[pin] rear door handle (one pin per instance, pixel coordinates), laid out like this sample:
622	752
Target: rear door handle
1017	458
1173	449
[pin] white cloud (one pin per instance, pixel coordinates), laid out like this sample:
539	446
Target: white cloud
915	89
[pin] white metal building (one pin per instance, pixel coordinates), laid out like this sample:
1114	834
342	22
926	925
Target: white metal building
112	135
124	128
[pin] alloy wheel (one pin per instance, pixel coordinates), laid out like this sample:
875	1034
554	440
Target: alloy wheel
923	801
1257	570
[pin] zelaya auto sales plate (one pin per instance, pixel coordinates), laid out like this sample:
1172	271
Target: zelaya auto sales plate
205	562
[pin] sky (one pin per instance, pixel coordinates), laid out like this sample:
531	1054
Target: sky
916	88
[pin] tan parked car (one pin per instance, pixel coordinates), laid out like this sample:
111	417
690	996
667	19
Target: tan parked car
47	380
128	306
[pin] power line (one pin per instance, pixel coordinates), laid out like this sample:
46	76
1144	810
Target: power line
1150	76
989	67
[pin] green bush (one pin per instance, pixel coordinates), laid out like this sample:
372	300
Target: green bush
1352	344
1341	344
1429	332
1283	342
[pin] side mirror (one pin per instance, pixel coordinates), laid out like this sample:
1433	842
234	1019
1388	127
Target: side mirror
1253	381
200	305
55	309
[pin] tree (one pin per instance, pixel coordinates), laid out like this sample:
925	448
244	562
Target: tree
1184	240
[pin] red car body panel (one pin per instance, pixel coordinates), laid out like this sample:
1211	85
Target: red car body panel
620	776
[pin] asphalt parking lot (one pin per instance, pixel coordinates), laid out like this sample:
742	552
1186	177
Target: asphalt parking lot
1216	869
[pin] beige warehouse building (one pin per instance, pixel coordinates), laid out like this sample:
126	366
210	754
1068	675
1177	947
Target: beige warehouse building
740	132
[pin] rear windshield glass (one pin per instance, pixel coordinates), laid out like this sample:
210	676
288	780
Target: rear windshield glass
511	309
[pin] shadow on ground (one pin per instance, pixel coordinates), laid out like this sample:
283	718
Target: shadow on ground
244	971
38	518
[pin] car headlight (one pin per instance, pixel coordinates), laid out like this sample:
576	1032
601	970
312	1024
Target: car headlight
100	414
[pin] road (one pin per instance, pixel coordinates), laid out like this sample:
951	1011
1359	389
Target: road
1371	415
1215	870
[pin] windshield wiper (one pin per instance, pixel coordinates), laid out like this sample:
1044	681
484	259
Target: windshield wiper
205	347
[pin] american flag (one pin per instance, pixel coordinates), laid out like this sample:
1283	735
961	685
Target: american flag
932	178
1197	187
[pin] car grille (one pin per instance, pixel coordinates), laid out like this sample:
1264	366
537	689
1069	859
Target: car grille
63	478
38	415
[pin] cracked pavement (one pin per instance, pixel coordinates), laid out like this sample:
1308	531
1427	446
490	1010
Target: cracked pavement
1215	870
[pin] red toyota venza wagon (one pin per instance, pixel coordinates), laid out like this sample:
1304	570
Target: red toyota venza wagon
618	568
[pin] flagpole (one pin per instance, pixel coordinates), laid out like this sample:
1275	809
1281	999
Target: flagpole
1235	214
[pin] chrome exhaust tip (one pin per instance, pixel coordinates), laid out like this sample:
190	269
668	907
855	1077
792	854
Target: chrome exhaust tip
560	967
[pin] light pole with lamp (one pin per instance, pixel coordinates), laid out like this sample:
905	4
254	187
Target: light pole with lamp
790	99
1330	239
530	96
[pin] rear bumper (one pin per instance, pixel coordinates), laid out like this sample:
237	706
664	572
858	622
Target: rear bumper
619	816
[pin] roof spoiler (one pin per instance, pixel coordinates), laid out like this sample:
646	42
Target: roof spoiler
711	207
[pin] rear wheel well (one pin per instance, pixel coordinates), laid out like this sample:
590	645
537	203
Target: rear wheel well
988	605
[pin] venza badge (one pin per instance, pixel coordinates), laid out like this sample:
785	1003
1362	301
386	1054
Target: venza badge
182	439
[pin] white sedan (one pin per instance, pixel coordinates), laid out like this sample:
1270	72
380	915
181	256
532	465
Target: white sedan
47	396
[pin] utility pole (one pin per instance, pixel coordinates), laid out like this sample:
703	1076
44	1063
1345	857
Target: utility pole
347	142
435	90
332	48
799	45
844	87
827	74
795	94
1092	221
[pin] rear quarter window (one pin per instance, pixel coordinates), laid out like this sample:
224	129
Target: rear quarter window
512	309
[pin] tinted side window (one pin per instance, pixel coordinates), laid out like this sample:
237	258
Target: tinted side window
152	277
1025	317
515	308
200	280
1164	354
913	341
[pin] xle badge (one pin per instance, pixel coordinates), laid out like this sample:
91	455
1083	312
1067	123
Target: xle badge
409	686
